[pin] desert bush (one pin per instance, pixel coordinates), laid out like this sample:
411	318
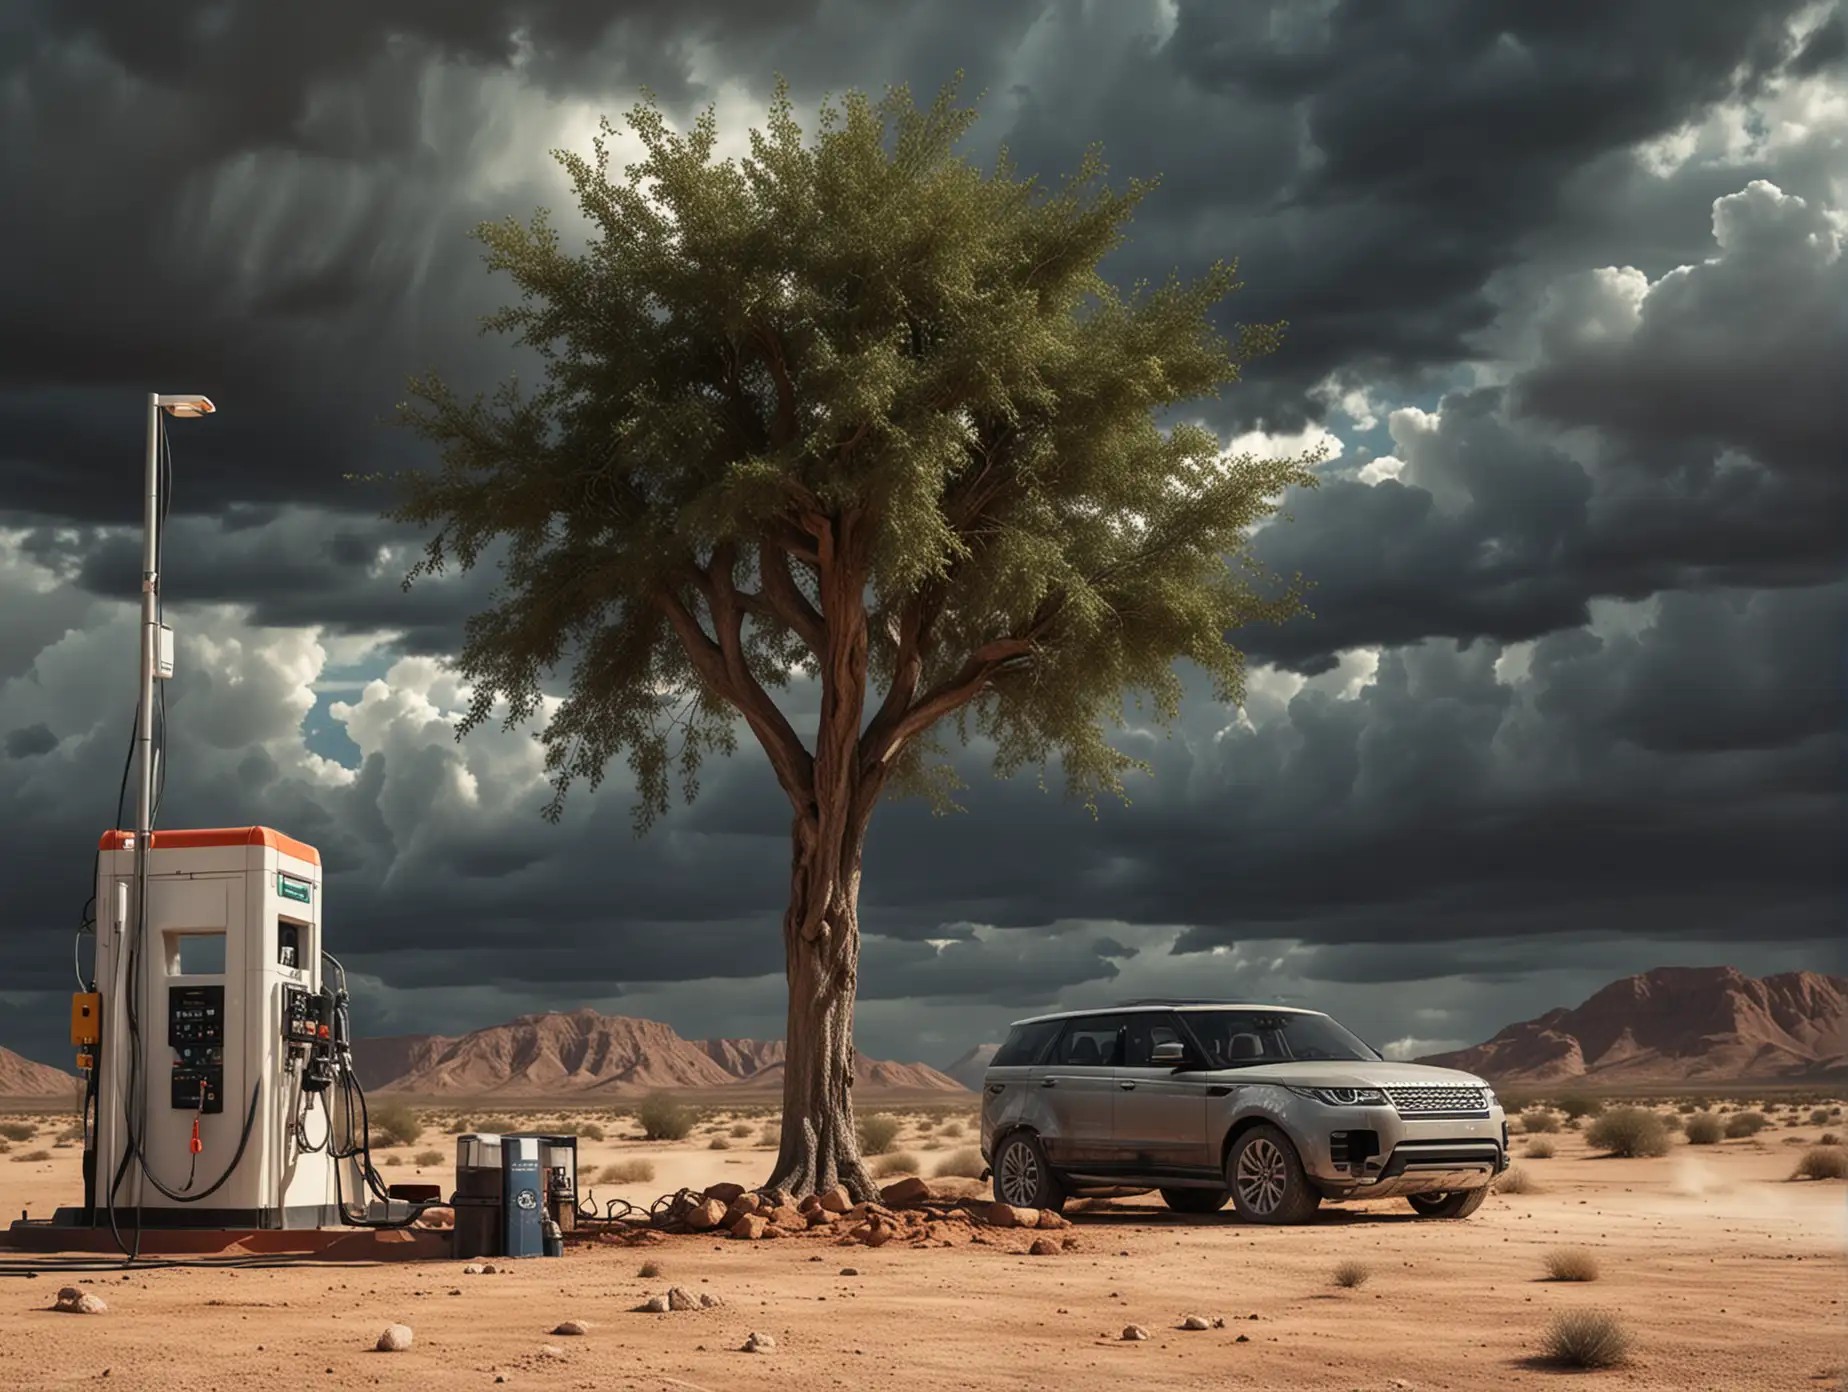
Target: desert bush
1628	1131
664	1119
898	1162
1819	1117
1822	1162
1539	1149
1685	1107
427	1158
627	1172
30	1157
1671	1122
741	1129
71	1134
18	1130
1537	1122
649	1270
1515	1180
718	1143
772	1137
1743	1124
1578	1104
5	1146
496	1125
1573	1123
952	1129
394	1159
1571	1264
1587	1339
1704	1128
1350	1274
393	1123
589	1131
458	1125
962	1164
877	1132
1828	1138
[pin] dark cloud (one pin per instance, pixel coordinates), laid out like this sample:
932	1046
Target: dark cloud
1574	680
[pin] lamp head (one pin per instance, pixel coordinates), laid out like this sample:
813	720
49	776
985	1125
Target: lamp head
186	406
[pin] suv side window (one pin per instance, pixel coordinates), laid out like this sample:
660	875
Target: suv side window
1146	1031
1094	1041
1026	1044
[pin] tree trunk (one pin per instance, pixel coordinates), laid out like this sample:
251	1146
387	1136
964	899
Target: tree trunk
820	1146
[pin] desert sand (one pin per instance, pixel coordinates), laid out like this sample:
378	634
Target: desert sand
1728	1275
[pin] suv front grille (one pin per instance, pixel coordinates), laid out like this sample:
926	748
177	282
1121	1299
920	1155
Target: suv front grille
1424	1100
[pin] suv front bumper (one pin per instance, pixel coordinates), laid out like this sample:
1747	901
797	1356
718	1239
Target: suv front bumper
1375	1153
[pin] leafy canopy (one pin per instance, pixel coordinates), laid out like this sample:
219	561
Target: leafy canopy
853	407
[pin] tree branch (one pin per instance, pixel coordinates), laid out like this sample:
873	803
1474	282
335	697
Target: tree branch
784	601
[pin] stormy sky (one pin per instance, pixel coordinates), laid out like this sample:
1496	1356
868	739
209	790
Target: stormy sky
1567	307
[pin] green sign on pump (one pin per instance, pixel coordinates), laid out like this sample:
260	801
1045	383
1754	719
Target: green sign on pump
292	889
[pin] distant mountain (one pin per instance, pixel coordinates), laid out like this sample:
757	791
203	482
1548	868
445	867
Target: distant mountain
1674	1025
584	1053
972	1066
21	1078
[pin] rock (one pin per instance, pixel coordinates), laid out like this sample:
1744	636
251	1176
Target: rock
474	1269
1045	1247
750	1227
395	1339
1196	1322
1242	1339
759	1343
1218	1322
74	1300
653	1305
727	1194
787	1217
776	1198
551	1351
811	1204
709	1301
705	1215
680	1298
906	1193
850	1271
820	1218
572	1327
836	1200
436	1218
1049	1219
744	1206
1133	1332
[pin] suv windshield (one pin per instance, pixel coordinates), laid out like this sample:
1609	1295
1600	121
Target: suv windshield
1237	1038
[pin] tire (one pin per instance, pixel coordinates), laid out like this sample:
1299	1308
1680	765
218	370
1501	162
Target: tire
1458	1203
1195	1200
1023	1177
1265	1177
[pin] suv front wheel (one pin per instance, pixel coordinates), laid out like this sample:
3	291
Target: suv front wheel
1458	1203
1265	1176
1022	1176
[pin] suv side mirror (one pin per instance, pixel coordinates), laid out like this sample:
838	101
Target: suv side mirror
1171	1054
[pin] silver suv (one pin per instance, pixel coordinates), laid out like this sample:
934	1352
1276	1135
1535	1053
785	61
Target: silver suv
1272	1107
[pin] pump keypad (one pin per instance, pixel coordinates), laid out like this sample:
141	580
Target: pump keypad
196	1033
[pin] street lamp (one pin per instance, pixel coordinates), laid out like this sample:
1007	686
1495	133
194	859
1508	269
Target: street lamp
186	405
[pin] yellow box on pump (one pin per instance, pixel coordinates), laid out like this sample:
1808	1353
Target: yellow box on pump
86	1017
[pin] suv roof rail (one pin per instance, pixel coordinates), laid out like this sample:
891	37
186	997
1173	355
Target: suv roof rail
1174	1000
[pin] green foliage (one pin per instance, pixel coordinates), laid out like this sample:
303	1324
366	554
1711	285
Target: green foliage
664	1119
876	1133
854	406
393	1123
1629	1131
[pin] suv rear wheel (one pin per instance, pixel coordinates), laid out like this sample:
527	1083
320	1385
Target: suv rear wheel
1022	1176
1458	1203
1266	1178
1194	1200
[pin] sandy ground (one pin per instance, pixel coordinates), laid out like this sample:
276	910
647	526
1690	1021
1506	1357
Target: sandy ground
1728	1275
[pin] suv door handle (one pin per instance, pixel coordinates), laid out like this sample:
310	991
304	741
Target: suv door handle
1046	1082
1127	1087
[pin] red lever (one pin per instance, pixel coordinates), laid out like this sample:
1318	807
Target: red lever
196	1147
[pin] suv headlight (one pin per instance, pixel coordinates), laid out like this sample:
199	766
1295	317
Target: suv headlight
1344	1097
1489	1099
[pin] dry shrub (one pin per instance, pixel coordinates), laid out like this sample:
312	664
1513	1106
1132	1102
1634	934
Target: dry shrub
963	1164
1704	1128
1671	1123
899	1162
426	1158
31	1157
1743	1124
649	1270
1351	1273
718	1143
589	1131
393	1123
627	1172
1828	1138
1629	1132
1578	1104
394	1159
1571	1264
877	1132
71	1134
1515	1180
1587	1339
5	1146
741	1129
772	1137
1822	1162
664	1119
459	1125
1819	1117
18	1130
1685	1107
495	1126
952	1129
1541	1149
1537	1122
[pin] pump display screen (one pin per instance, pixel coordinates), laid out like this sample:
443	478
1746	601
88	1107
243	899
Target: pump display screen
196	1033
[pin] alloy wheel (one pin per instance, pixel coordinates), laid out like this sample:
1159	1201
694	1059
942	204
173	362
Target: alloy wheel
1020	1174
1260	1176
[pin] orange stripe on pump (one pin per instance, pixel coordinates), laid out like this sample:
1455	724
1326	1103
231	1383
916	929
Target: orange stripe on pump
215	836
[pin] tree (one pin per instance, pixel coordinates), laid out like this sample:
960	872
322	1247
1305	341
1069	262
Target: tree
859	410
